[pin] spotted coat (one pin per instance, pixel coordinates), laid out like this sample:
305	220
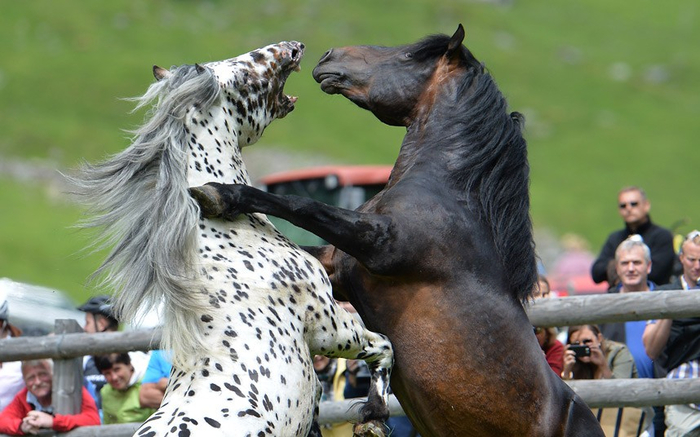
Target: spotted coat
244	326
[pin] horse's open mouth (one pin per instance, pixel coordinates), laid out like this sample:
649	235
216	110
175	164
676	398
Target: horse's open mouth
292	59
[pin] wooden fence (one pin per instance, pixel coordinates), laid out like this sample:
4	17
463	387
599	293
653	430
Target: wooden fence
66	346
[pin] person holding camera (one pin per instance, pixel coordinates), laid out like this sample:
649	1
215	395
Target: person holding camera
589	355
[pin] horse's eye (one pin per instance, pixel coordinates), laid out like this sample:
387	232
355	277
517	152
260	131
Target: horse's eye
408	55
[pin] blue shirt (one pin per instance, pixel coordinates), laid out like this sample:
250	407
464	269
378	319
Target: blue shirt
158	367
633	339
633	333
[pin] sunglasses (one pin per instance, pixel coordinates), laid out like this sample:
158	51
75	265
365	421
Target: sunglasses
623	205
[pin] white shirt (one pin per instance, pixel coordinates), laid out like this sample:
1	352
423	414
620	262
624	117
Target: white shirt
11	382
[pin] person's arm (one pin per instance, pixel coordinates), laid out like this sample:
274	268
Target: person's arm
622	365
656	336
662	257
11	417
555	357
151	393
599	269
568	365
602	369
88	416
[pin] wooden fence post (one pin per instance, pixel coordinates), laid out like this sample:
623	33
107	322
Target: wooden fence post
67	395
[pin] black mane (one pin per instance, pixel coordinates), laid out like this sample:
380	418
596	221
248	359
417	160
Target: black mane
489	161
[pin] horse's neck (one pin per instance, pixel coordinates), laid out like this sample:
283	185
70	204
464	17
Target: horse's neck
425	144
437	130
215	157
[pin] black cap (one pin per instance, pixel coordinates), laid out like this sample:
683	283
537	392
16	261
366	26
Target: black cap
98	305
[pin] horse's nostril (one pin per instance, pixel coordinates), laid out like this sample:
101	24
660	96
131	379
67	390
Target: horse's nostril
325	56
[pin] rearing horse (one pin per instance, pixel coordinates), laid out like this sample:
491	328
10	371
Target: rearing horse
442	259
244	308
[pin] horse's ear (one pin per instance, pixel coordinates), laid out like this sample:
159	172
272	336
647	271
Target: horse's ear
455	44
160	73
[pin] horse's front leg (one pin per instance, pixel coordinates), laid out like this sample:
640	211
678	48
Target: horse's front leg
344	336
366	236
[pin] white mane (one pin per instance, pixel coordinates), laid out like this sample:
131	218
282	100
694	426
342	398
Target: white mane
139	200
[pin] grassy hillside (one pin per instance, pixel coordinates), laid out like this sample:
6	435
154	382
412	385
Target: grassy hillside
610	93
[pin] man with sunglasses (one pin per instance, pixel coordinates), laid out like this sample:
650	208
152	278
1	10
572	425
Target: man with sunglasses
633	207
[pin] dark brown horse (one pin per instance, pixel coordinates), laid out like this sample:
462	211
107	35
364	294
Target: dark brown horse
442	259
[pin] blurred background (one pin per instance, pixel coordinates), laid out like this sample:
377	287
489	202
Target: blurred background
610	92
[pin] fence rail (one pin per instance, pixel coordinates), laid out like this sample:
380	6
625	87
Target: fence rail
596	393
615	307
567	311
575	310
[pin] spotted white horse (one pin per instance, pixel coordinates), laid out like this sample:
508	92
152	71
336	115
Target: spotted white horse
245	309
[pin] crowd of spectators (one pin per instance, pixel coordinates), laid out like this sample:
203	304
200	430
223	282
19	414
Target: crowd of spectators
639	258
110	391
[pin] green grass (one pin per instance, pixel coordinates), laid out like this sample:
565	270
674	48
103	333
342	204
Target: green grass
65	65
44	248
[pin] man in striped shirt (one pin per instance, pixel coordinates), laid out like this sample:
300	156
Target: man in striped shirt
676	343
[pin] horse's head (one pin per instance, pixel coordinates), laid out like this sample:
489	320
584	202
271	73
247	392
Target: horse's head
253	86
394	82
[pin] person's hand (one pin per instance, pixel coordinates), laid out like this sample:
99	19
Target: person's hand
597	357
569	361
599	360
162	384
28	428
39	419
353	366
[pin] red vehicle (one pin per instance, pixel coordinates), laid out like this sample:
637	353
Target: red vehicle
339	185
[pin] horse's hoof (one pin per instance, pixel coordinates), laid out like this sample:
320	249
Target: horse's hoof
209	201
373	428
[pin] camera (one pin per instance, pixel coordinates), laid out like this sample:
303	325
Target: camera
580	350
